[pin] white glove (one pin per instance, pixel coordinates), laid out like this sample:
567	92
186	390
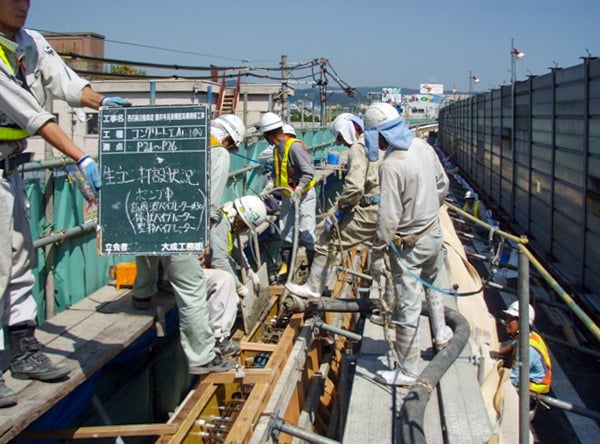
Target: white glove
242	290
377	268
296	195
252	275
266	192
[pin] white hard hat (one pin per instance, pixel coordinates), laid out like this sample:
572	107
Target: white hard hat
513	310
469	195
234	126
269	122
335	125
252	210
378	114
289	130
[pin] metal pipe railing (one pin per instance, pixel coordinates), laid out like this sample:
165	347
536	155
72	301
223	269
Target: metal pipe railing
521	241
62	235
567	299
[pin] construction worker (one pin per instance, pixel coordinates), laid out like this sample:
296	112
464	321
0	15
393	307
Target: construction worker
32	74
223	302
293	169
272	200
474	206
352	220
185	273
235	217
413	185
540	366
226	135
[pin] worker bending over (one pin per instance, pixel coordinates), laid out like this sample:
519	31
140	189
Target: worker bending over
293	169
352	220
235	217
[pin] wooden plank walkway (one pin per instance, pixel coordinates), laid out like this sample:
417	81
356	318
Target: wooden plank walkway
85	338
455	412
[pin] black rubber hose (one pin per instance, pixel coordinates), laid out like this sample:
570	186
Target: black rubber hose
412	413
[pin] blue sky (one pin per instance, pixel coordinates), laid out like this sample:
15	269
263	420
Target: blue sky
368	43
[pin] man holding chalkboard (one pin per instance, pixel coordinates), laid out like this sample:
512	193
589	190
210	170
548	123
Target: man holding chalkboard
31	73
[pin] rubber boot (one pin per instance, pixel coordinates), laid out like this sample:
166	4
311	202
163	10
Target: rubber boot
27	361
286	256
317	279
8	396
408	351
441	332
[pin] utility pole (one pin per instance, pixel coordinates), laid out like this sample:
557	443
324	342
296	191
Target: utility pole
323	89
284	89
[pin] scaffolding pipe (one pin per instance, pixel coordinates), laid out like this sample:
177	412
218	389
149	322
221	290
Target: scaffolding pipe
521	241
523	347
554	402
317	323
579	348
279	425
65	234
518	239
583	317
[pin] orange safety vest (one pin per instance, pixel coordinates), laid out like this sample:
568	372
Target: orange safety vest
281	168
538	343
10	133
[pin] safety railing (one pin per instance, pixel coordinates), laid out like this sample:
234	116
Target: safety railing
525	259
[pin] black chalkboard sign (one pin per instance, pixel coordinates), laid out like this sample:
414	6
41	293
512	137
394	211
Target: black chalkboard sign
155	194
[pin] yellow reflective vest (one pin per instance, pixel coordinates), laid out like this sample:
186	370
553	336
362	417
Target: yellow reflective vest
474	211
281	168
538	343
10	133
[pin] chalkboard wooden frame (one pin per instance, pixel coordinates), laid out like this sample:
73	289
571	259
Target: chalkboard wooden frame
154	165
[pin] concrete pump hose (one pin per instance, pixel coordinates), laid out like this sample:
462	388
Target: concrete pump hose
412	413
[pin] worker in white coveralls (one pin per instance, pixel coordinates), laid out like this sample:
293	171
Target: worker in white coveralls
352	220
32	74
226	135
413	185
293	168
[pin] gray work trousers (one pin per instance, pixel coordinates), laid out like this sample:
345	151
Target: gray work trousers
189	285
17	305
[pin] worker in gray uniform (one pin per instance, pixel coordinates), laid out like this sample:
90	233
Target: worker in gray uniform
293	169
185	272
235	217
352	220
31	74
413	185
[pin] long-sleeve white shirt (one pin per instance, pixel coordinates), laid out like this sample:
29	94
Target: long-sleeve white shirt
413	185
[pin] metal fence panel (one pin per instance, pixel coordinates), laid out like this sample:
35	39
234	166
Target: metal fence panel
537	160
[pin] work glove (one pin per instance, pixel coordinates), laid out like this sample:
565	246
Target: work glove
296	195
252	275
377	268
494	355
242	290
334	216
89	168
266	192
114	102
